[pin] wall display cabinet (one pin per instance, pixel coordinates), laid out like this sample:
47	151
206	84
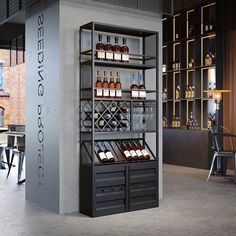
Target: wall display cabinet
118	115
189	68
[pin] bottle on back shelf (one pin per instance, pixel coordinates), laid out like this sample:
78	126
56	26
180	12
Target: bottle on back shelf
164	94
164	122
98	85
116	49
111	85
125	52
105	86
118	86
177	92
100	53
193	92
125	152
109	155
101	154
108	49
187	92
134	88
142	88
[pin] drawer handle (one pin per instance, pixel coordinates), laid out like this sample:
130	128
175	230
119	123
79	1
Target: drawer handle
108	190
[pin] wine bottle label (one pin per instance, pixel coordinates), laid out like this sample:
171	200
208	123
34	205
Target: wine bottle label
145	153
117	56
125	57
101	55
109	155
133	153
134	94
142	94
118	93
99	92
106	92
95	115
112	93
102	155
139	153
109	55
127	153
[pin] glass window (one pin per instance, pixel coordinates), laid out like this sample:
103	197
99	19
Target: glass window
2	111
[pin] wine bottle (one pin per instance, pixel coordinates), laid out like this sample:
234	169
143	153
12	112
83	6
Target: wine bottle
137	150
142	88
113	109
187	92
105	86
116	49
125	52
134	88
131	150
101	154
100	54
101	123
177	92
125	152
124	109
118	86
98	85
108	49
111	86
143	150
107	115
108	153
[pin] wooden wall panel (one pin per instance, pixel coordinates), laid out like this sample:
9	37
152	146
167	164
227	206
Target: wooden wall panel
229	103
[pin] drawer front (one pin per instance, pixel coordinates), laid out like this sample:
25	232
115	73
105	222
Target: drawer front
143	189
110	193
143	183
110	175
110	207
143	202
143	172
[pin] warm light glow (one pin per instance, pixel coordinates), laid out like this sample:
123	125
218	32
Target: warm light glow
217	96
217	93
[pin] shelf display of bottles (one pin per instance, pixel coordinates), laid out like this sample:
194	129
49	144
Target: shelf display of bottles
192	123
122	150
118	113
109	52
189	65
113	88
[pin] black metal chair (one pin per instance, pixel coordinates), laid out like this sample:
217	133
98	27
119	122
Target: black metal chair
20	152
219	151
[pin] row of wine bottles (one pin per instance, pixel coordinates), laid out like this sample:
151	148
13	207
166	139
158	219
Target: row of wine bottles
191	123
113	89
189	93
109	52
131	150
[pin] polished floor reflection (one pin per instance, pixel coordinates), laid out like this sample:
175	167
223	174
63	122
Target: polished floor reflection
191	207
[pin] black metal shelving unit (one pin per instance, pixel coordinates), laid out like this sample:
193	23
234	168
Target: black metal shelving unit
120	186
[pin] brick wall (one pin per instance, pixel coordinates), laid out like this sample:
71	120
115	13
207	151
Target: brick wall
14	84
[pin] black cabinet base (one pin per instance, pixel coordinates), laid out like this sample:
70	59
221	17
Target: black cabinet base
118	188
